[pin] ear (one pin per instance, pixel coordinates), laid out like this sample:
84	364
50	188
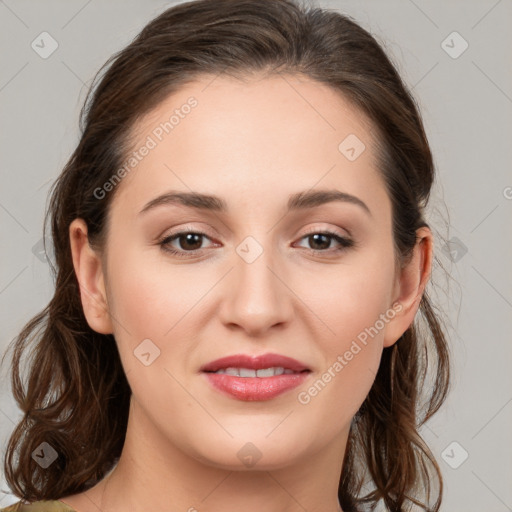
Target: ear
89	274
410	285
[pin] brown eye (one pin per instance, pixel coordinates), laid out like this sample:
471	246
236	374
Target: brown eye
188	242
321	241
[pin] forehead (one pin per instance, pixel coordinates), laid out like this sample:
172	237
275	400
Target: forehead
265	137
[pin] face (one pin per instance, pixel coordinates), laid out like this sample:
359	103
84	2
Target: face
258	270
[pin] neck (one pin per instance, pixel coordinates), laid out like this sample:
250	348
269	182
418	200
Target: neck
154	474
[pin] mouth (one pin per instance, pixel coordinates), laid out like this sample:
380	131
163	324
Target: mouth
261	372
244	364
255	378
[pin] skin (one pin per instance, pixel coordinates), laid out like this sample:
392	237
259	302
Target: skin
252	143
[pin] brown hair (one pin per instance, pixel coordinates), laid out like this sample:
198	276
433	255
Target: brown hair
77	395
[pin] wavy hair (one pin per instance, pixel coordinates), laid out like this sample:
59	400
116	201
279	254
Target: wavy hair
77	396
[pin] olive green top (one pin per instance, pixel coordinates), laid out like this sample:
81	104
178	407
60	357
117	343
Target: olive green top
39	506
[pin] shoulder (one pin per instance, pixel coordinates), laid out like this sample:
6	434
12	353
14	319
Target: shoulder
38	506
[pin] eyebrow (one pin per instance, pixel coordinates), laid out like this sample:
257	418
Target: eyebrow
299	201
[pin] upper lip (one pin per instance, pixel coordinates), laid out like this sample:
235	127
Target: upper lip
254	363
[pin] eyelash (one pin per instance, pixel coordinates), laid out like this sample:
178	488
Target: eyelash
345	243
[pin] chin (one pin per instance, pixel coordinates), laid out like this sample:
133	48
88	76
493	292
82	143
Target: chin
250	452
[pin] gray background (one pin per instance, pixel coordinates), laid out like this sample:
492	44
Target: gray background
466	101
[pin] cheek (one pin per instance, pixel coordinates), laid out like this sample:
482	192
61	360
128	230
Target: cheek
155	308
353	303
151	293
351	356
349	298
148	300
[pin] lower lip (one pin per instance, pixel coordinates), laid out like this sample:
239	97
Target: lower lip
255	388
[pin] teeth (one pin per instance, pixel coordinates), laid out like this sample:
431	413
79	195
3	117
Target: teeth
269	372
247	372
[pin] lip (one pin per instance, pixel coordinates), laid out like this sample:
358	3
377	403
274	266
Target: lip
254	363
255	388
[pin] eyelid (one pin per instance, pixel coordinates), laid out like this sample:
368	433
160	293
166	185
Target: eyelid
182	231
191	229
317	229
186	229
343	242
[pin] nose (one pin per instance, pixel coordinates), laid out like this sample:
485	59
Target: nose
257	296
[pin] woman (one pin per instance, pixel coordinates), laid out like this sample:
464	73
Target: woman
240	315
